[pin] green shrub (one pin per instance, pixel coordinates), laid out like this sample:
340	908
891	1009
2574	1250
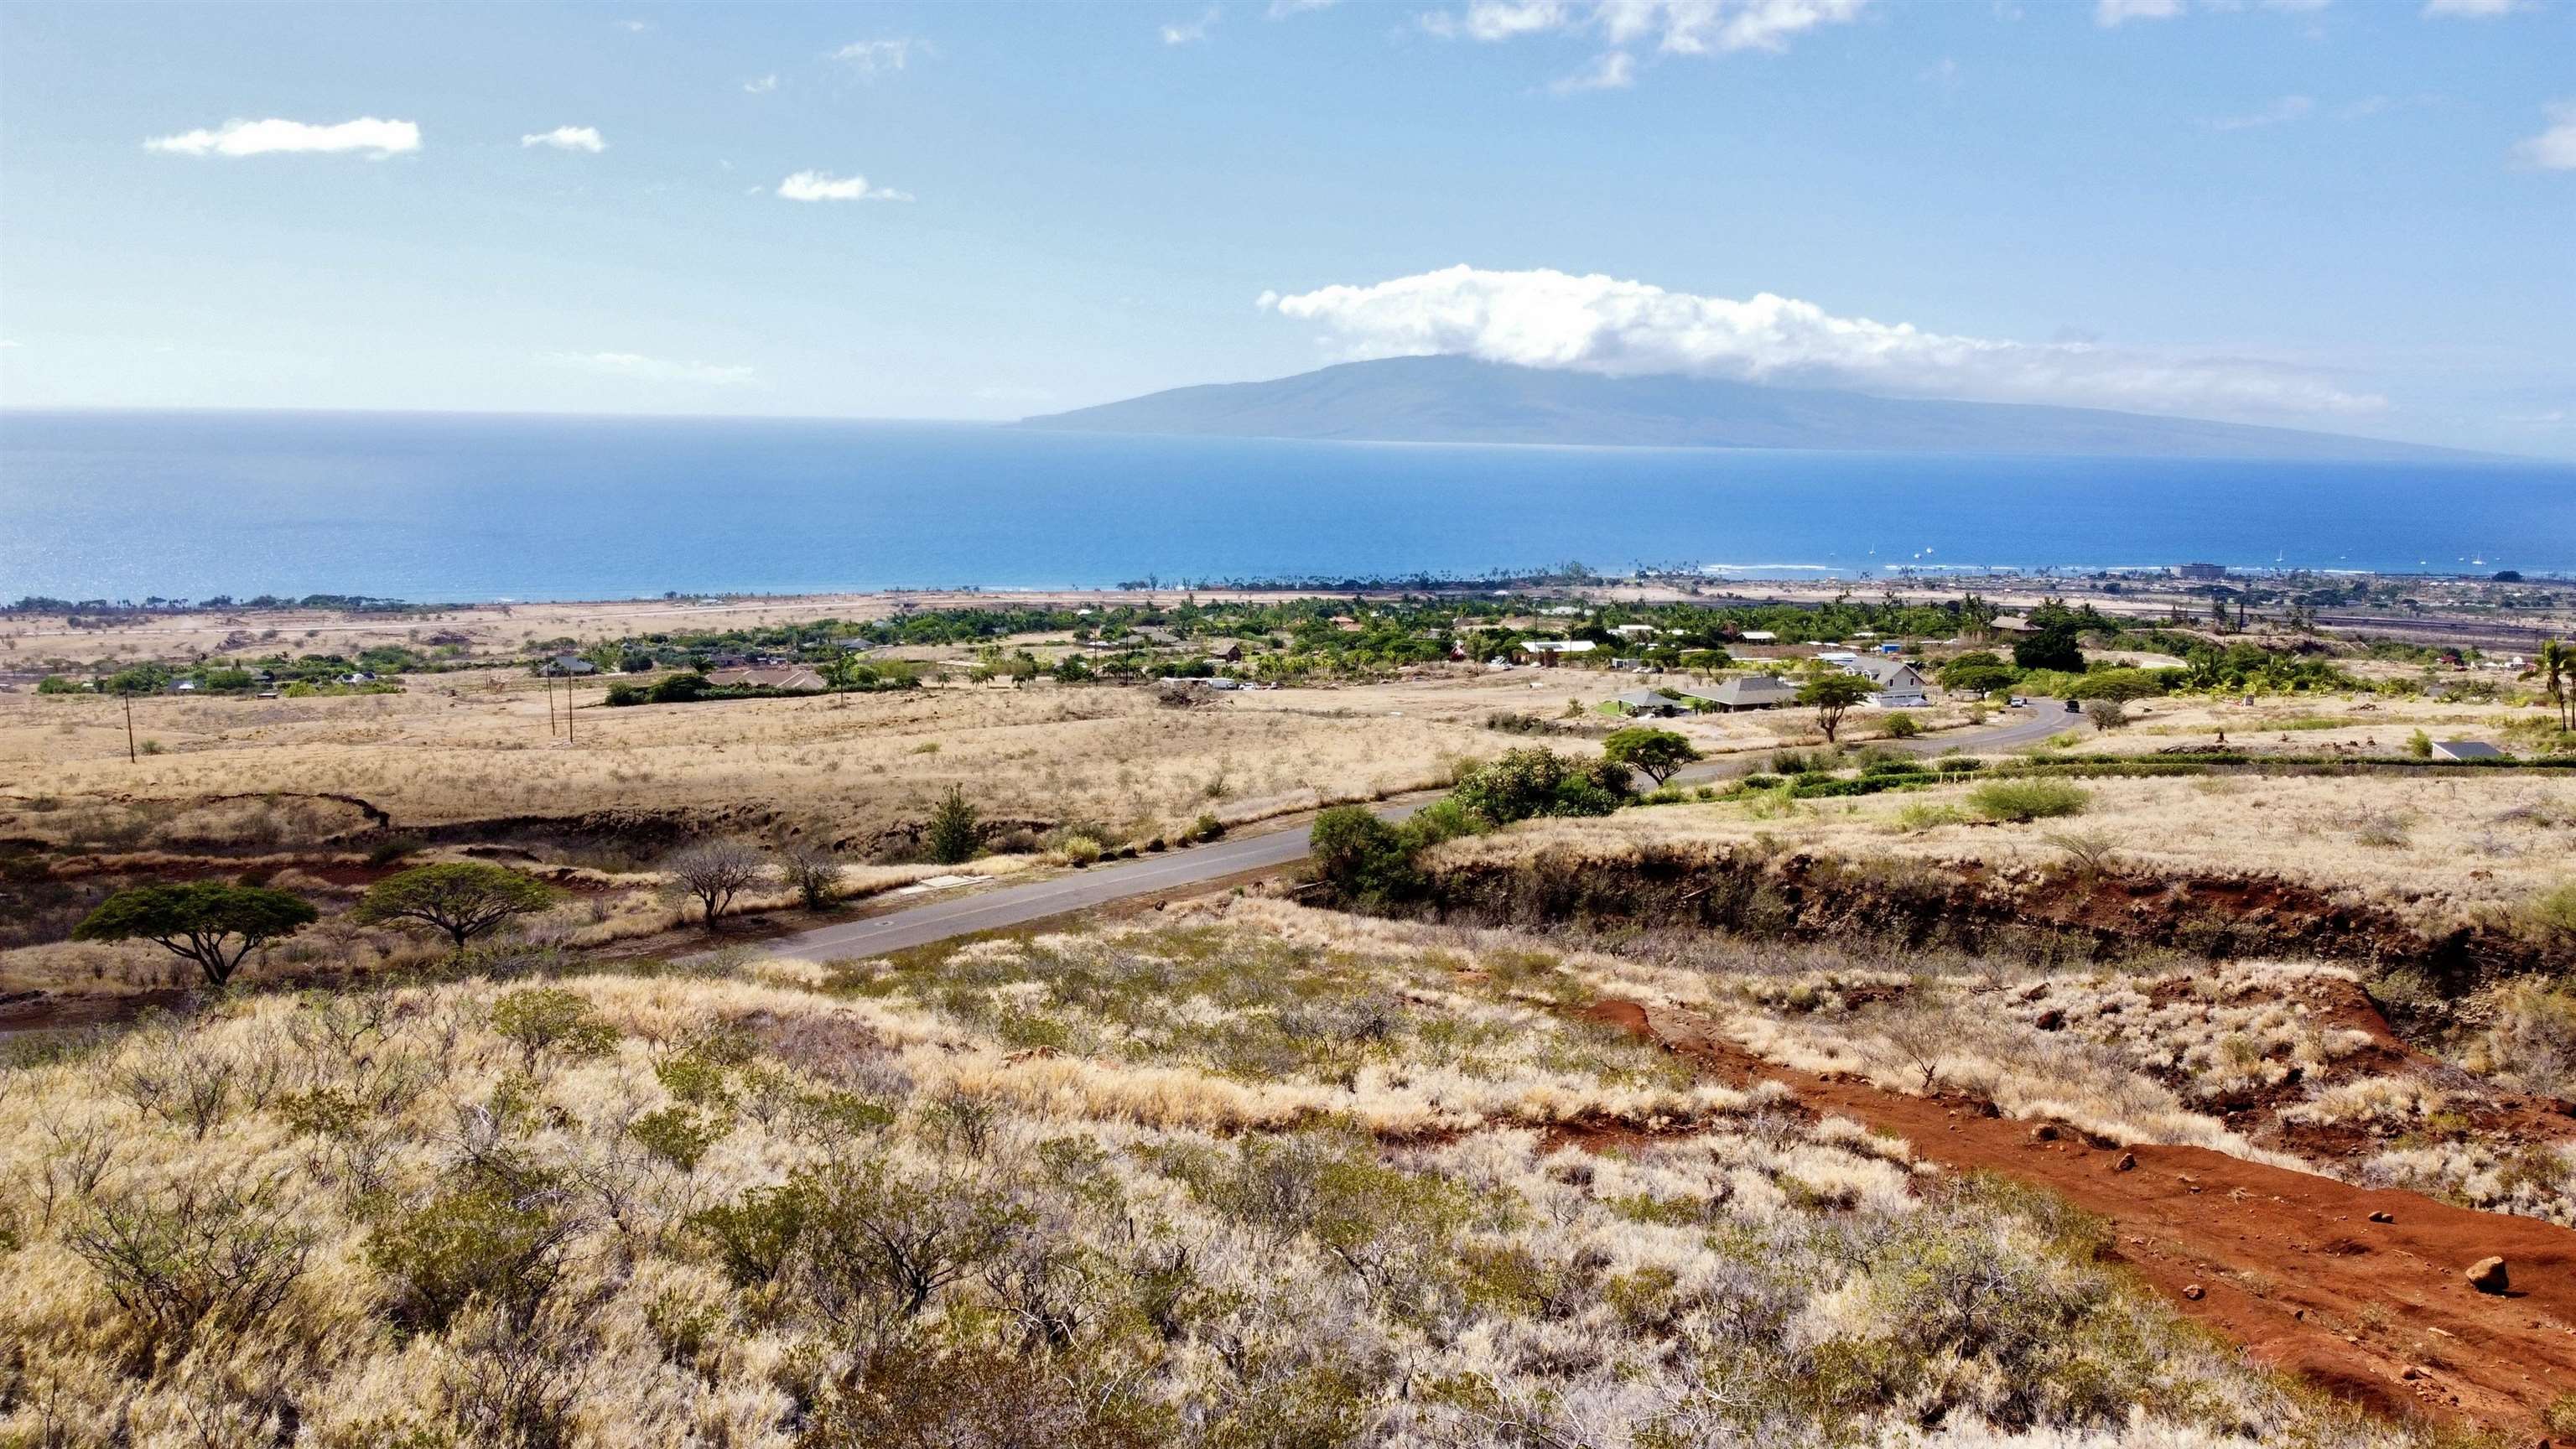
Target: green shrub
2027	799
497	1239
679	688
954	834
1361	858
677	1135
1204	829
1535	781
548	1018
1903	726
211	1251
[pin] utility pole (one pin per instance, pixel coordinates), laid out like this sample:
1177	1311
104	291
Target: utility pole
129	728
550	709
568	711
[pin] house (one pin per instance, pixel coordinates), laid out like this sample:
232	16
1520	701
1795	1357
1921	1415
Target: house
2010	624
568	664
1899	684
774	676
2201	571
1648	702
1548	653
1635	631
1840	658
1225	651
2461	751
1751	691
1633	666
1759	636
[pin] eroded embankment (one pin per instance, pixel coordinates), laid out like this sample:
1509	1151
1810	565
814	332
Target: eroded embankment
1970	907
2364	1293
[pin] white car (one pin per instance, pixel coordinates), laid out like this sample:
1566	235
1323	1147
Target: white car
2019	702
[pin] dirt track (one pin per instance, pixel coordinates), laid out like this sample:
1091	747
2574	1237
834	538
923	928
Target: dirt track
2286	1263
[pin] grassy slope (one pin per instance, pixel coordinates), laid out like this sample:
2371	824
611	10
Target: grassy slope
1280	1180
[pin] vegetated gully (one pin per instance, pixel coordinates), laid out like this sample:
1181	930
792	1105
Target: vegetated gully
2291	1265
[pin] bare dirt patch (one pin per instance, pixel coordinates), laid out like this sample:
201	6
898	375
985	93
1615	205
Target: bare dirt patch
2289	1264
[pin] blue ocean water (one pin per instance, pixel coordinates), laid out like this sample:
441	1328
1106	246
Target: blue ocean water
441	507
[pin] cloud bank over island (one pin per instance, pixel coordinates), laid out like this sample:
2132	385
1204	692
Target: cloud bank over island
1594	323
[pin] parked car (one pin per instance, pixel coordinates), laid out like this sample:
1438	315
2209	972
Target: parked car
2074	707
2020	703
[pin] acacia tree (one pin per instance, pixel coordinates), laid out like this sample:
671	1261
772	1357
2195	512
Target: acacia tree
1657	752
1831	695
715	871
209	922
465	899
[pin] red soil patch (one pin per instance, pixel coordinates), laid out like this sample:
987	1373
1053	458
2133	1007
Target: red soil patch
2286	1263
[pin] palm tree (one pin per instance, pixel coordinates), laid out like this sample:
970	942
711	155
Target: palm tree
2558	667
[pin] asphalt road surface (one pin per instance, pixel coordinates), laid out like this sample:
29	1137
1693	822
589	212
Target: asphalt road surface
1099	885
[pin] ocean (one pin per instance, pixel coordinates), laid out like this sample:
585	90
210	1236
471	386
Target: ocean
462	508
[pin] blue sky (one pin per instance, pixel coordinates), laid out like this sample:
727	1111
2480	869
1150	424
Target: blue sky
2346	215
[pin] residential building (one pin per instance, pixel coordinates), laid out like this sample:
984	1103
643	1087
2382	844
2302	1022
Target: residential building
2459	751
1548	653
1750	691
1899	684
1648	702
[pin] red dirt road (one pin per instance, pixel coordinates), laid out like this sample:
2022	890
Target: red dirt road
2286	1263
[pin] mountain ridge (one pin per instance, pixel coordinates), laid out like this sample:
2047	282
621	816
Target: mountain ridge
1448	399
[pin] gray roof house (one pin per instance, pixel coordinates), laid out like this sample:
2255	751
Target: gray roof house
2466	750
1648	701
1751	691
1900	685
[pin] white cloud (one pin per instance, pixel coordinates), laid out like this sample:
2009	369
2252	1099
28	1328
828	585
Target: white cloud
651	369
635	27
1679	27
1192	32
1609	71
568	138
2467	9
762	85
2553	149
823	186
2279	113
1282	9
873	58
1601	324
259	138
2108	13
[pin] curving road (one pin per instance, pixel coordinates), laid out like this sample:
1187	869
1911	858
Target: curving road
1102	884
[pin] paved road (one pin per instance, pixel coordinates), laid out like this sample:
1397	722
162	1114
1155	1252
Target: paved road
1099	885
1017	905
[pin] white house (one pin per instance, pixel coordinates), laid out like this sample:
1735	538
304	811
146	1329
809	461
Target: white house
1899	684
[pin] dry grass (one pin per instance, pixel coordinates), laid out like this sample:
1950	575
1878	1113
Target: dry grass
472	747
2472	840
576	1213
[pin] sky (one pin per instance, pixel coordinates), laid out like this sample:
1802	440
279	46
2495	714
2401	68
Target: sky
2318	213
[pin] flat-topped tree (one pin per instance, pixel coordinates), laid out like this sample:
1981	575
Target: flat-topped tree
209	922
1657	752
1831	695
465	899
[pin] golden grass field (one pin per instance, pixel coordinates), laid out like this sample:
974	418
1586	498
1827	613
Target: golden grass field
1266	1177
2448	846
